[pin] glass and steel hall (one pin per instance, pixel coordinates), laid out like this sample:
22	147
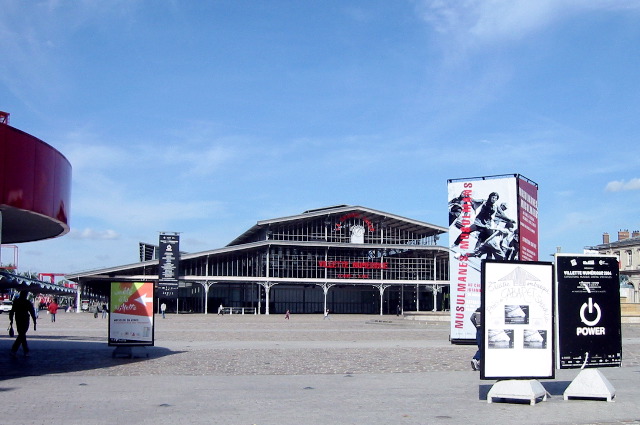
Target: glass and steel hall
348	259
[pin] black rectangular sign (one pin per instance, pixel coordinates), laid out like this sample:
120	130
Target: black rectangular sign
169	265
588	311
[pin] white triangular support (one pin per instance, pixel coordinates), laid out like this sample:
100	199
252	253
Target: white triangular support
590	383
517	389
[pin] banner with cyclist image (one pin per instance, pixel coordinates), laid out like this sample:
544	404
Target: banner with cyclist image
517	325
492	218
482	224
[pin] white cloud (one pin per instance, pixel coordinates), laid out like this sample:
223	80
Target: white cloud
90	156
477	21
621	185
198	161
473	23
93	234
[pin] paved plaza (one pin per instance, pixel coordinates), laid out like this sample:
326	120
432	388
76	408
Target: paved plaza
210	369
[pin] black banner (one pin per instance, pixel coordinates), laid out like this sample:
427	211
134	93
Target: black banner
169	265
589	331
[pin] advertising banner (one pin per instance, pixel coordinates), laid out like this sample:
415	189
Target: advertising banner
588	311
131	314
482	225
517	320
527	228
169	265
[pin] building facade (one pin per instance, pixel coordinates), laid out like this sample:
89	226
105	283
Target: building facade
348	259
627	250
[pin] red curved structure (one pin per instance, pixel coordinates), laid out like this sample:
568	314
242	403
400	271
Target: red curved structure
35	188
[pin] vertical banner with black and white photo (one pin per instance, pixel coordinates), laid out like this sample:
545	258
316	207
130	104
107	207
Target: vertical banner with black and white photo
517	320
169	265
588	311
483	224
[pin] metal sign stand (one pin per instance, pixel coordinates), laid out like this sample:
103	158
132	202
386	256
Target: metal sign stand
591	384
517	389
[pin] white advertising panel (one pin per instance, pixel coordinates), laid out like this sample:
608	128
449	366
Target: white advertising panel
482	225
517	320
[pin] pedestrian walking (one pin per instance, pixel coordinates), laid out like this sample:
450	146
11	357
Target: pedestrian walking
21	310
326	315
286	315
163	309
53	309
104	310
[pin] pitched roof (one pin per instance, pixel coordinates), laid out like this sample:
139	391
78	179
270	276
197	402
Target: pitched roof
629	242
389	220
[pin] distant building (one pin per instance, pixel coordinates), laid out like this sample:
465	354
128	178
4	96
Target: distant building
349	259
627	250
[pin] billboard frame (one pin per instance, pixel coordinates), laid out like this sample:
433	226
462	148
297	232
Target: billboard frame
601	337
528	289
121	322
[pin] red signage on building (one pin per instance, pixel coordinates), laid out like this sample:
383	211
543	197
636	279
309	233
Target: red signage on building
355	264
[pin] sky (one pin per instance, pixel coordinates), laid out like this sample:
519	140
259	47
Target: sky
204	117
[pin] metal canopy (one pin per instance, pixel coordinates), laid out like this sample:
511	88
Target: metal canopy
12	281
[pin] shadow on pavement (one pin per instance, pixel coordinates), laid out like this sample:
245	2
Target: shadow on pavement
60	354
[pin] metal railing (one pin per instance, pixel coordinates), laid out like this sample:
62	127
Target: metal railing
239	310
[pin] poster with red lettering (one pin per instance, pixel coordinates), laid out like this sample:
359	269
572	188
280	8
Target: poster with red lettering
131	313
485	221
528	219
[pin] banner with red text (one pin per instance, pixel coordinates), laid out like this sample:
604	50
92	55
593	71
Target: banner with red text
484	223
528	219
131	313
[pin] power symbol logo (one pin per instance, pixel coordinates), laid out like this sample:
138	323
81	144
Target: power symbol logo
591	306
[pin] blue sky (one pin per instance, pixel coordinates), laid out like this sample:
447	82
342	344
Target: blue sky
203	117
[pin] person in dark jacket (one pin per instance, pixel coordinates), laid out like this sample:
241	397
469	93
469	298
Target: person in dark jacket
22	308
476	319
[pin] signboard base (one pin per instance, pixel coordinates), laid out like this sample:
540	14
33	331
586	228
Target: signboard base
591	384
517	390
128	352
